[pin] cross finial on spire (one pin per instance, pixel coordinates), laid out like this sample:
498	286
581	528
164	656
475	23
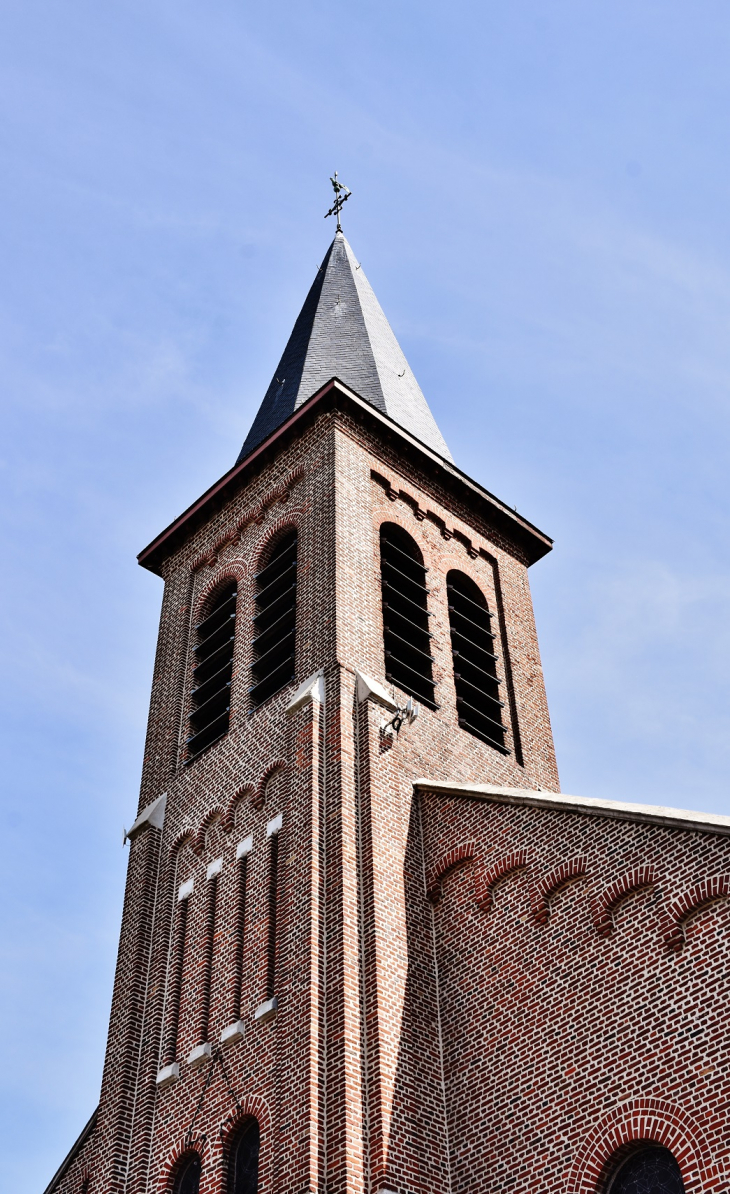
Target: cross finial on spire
342	194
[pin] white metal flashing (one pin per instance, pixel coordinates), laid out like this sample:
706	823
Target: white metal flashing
245	847
153	814
369	689
311	690
655	814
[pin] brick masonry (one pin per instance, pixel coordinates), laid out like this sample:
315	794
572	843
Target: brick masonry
471	995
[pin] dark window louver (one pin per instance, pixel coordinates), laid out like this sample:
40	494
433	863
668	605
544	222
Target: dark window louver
275	620
212	672
475	671
407	641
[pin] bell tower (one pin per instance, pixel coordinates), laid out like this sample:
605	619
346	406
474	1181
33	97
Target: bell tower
346	616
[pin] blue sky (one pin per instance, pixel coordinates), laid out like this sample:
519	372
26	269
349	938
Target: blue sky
540	198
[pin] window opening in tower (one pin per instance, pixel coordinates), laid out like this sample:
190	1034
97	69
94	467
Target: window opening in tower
213	655
275	620
475	664
407	639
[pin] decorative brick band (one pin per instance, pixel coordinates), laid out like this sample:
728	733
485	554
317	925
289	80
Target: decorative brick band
256	514
651	1120
567	872
680	909
463	853
394	495
639	877
486	880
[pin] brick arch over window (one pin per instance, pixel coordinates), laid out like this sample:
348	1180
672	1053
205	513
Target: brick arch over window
184	1175
275	616
185	1147
645	1120
251	1109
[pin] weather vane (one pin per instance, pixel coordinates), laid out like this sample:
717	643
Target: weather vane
342	194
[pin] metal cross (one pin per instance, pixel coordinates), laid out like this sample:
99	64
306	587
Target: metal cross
342	194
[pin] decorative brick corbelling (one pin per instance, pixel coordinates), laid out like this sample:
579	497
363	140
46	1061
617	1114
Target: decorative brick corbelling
606	903
246	791
703	893
272	770
652	1120
217	813
422	513
551	883
280	493
458	854
487	879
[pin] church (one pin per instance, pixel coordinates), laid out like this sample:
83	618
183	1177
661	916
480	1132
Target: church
367	945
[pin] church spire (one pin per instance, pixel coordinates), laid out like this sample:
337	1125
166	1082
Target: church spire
342	332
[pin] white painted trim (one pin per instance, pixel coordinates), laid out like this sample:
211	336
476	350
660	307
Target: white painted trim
199	1055
266	1011
214	868
233	1033
167	1075
274	825
655	814
245	847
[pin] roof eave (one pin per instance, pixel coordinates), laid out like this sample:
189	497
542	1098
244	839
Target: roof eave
533	541
614	810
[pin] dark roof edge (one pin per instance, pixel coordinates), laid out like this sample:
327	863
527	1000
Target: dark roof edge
527	533
73	1153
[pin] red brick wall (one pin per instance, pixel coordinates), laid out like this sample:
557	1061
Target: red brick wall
404	1027
571	1025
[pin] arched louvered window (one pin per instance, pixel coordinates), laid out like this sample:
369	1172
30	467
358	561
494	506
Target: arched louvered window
407	640
188	1175
244	1166
275	618
475	672
649	1170
213	668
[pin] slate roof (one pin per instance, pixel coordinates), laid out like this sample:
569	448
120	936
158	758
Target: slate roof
342	332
